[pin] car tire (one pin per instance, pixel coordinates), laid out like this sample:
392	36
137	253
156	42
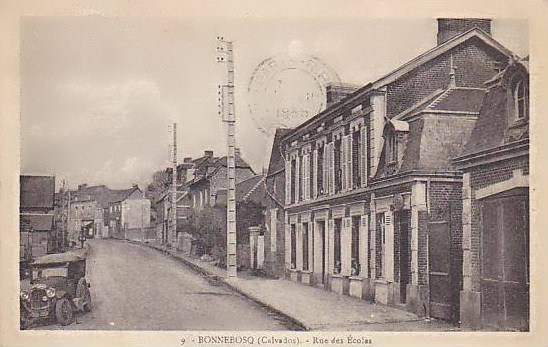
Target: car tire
63	311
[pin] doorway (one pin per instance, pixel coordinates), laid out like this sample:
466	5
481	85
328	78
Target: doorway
505	260
319	252
402	220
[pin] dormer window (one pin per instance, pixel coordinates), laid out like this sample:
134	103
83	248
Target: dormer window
392	147
521	100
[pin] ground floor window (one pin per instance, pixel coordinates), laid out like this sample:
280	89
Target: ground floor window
355	247
337	246
305	246
293	247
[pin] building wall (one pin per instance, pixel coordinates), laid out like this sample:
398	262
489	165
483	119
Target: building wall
475	64
136	213
482	177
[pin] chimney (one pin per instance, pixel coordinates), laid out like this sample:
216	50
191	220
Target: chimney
82	186
335	92
208	154
187	159
451	27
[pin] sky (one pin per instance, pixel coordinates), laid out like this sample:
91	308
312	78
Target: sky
99	93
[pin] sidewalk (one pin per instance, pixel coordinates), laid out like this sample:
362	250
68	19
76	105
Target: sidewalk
314	308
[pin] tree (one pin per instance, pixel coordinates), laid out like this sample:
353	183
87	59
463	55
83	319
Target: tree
161	180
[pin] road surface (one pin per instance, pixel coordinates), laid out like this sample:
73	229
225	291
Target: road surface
134	287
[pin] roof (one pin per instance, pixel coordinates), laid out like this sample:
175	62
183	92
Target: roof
122	194
38	222
410	66
251	189
58	258
276	163
459	99
491	129
239	162
37	191
102	194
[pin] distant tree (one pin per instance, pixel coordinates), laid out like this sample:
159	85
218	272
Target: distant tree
159	185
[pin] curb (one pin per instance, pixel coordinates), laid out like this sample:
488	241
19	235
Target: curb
201	270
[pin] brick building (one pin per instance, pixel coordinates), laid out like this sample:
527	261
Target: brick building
373	201
495	219
198	183
274	240
36	216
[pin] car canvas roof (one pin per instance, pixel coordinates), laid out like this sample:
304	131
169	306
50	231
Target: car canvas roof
58	258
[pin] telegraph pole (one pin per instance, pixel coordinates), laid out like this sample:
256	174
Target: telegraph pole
226	110
173	194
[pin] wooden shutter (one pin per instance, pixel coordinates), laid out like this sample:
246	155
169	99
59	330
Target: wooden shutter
364	229
299	246
388	261
287	242
297	178
331	246
349	170
346	246
306	177
287	182
325	169
363	156
342	163
331	151
315	173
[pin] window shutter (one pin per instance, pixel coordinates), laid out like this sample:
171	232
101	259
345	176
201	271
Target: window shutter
388	261
306	176
297	178
346	243
299	246
349	170
325	169
364	230
315	173
331	180
331	246
287	242
342	164
363	155
287	182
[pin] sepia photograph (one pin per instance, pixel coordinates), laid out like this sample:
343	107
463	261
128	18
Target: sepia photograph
272	180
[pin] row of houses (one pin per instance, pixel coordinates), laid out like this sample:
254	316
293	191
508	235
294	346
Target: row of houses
52	221
201	184
412	190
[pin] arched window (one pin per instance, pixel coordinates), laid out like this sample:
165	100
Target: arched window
521	100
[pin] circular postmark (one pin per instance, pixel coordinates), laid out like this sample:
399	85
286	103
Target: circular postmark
284	92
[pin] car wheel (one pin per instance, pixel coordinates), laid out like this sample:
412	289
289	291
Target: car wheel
63	311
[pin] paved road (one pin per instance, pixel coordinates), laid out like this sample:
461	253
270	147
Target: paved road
137	288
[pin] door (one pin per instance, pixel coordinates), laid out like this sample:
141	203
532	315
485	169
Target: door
319	251
405	256
505	261
439	264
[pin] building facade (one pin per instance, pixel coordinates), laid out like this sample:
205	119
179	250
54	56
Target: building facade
36	216
373	201
495	219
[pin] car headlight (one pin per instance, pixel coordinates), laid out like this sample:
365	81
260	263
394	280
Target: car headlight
50	292
24	295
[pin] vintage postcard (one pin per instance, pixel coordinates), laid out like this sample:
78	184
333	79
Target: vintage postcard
291	174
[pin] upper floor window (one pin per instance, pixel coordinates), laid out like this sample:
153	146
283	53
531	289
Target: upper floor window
392	147
521	100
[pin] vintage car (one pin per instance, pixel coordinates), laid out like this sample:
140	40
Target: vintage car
58	288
